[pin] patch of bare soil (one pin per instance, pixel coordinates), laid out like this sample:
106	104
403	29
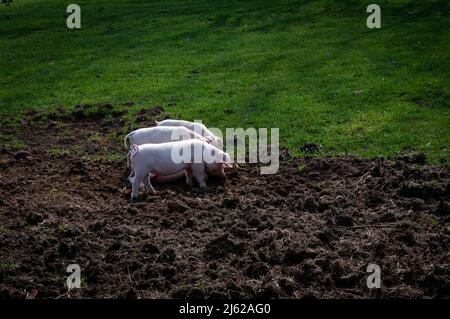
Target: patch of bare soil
309	231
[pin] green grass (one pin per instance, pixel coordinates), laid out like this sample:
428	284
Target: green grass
319	186
94	138
62	229
11	141
311	68
8	266
113	157
58	151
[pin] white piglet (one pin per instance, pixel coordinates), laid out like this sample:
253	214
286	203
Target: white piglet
196	127
157	135
197	159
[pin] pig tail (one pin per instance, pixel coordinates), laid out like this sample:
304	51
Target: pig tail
134	150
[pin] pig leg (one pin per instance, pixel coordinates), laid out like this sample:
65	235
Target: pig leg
131	178
148	184
222	172
129	159
188	174
135	185
198	170
139	177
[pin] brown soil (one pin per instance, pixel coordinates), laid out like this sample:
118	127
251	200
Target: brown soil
309	231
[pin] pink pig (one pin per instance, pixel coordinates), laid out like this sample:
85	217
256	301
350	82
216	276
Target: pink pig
196	127
158	135
164	161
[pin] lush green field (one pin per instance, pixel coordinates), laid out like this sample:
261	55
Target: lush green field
311	68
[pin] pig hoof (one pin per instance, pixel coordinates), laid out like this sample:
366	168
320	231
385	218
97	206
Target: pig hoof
135	199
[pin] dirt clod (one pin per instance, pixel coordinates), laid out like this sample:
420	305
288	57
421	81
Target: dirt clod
311	147
230	202
443	208
177	206
417	158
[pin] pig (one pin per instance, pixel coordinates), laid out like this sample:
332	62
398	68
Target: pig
158	135
157	161
196	127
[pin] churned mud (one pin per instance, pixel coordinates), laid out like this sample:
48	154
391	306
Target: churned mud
309	231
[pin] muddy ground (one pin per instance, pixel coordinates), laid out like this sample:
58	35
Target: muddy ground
309	231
